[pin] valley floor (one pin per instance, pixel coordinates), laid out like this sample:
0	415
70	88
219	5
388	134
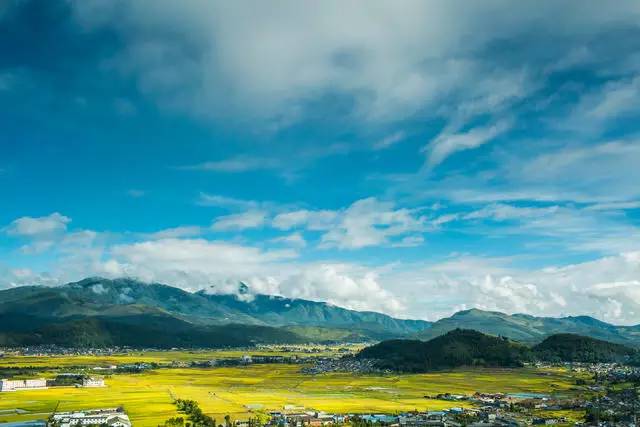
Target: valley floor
238	391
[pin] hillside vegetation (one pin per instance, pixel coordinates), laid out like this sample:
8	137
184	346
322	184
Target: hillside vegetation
460	347
576	348
463	347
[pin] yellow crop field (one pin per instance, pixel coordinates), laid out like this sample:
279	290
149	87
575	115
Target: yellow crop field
147	397
10	361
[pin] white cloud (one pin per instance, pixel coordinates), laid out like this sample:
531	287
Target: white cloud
30	226
37	247
564	171
341	285
191	263
614	206
614	100
240	221
312	220
217	200
293	239
219	267
389	141
606	288
366	222
370	222
210	58
447	144
238	164
409	241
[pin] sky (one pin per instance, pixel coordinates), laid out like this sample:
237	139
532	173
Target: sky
414	158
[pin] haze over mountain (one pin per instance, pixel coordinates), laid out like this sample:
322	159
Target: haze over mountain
113	305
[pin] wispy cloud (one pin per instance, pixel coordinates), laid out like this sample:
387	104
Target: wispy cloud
237	164
240	221
389	141
447	144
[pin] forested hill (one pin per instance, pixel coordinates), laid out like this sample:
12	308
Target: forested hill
460	347
531	329
576	348
464	347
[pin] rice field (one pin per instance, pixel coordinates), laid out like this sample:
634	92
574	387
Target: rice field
239	391
160	357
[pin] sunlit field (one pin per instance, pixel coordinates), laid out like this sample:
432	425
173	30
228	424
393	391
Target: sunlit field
147	397
161	357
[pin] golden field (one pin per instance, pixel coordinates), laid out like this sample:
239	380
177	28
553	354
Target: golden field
160	357
147	397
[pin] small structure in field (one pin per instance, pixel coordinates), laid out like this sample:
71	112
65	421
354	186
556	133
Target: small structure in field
93	382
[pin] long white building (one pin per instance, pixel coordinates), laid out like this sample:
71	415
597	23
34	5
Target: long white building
17	385
113	417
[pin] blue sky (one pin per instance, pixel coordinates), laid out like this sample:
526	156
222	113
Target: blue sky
416	160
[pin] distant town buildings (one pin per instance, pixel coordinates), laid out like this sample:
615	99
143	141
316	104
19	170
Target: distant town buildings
112	417
17	385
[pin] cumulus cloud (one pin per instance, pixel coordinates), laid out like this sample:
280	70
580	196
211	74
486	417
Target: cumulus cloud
219	267
189	261
38	226
339	284
366	222
370	222
605	288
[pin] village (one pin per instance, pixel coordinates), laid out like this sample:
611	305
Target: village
606	404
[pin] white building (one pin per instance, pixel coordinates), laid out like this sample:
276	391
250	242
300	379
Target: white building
16	385
93	382
113	417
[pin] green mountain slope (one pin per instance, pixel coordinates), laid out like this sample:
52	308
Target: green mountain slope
156	330
577	348
126	297
456	348
531	329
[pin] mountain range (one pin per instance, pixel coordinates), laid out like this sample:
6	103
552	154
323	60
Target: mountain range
98	311
531	329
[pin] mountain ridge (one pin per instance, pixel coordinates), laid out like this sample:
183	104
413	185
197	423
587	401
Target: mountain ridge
114	299
531	329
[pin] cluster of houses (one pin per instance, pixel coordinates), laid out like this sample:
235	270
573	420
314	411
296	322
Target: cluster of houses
112	417
446	418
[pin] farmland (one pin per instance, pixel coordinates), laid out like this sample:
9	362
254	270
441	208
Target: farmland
238	391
